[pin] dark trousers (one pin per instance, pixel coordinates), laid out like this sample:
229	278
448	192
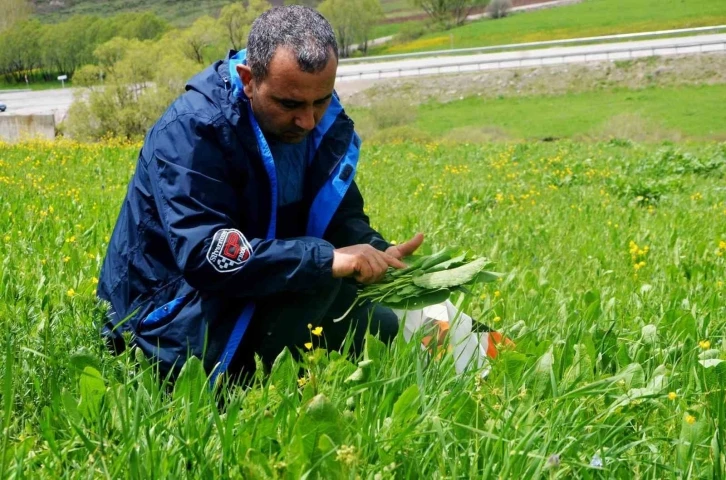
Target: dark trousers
282	321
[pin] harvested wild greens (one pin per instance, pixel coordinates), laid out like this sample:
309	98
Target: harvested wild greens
427	280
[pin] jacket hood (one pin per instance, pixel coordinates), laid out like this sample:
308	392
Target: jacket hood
214	83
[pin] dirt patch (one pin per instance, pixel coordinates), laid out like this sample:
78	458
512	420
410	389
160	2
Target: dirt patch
699	69
635	128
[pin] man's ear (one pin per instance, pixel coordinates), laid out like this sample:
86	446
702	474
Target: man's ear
245	73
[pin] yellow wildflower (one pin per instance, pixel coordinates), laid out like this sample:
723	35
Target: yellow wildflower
94	280
317	331
497	294
65	259
690	419
704	344
672	396
71	293
302	381
309	345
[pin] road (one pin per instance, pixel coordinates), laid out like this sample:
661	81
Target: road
26	102
353	77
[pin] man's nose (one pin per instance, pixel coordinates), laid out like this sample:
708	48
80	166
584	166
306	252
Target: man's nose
306	119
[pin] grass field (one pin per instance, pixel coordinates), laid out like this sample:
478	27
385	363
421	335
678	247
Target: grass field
614	292
653	114
589	18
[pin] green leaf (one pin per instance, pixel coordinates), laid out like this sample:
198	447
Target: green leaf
437	258
454	262
319	417
192	381
711	362
406	407
284	371
374	349
92	387
452	278
82	359
421	301
634	376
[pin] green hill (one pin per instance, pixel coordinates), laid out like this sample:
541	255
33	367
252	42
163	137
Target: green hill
177	12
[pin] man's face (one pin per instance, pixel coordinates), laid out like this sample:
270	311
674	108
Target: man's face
289	103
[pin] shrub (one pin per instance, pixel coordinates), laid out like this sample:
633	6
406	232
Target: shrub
499	8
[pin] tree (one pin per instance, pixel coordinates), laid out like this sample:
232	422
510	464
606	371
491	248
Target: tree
20	49
370	13
204	33
449	13
70	44
236	20
307	3
139	86
12	12
352	20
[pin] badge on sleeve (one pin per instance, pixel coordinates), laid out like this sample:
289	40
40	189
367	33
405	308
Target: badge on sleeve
229	250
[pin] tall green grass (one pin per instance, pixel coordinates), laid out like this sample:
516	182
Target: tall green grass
614	294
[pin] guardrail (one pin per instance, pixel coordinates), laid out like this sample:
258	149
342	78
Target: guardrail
623	52
530	45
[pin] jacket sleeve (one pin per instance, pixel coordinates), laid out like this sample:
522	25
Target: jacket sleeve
351	226
199	206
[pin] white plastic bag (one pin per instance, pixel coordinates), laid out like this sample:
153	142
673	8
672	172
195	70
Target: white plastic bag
469	349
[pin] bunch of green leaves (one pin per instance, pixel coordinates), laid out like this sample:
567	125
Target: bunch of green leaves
427	280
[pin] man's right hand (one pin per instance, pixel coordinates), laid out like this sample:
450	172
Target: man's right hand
363	262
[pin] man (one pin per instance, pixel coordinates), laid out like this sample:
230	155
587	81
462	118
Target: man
242	226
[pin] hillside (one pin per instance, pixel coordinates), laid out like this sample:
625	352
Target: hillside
177	12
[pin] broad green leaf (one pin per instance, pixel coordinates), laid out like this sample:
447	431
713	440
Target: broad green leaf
711	362
452	278
192	381
283	374
424	300
92	387
374	349
406	407
319	417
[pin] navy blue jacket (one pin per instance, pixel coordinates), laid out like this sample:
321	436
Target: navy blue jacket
194	244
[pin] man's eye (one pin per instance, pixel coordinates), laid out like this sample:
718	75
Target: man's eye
289	105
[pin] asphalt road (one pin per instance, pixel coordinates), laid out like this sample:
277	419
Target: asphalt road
356	77
26	102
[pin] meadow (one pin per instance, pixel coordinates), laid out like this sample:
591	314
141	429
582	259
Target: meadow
615	277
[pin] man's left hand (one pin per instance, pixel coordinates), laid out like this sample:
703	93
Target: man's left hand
407	248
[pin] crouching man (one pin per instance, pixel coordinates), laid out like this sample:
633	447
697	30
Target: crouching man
242	223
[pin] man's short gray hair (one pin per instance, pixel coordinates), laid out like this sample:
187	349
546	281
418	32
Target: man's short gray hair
301	29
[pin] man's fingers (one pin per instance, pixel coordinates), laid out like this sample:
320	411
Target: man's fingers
393	261
363	270
407	248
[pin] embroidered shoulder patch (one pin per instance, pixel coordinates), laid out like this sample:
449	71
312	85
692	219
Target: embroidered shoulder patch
229	250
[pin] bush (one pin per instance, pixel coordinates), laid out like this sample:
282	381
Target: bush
392	113
499	8
144	79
